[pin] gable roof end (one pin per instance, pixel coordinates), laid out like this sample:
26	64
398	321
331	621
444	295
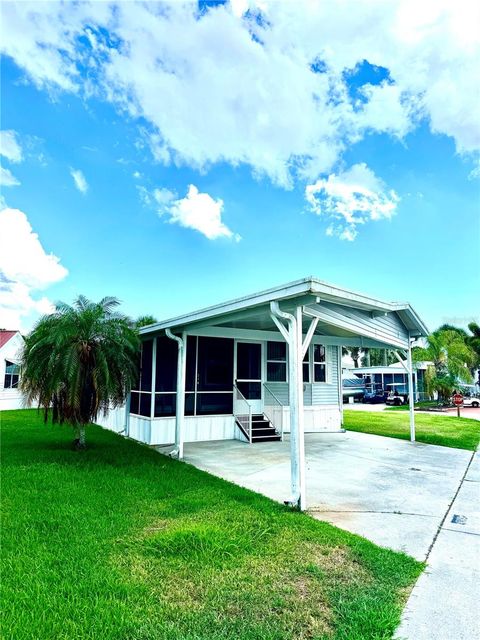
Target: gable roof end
5	336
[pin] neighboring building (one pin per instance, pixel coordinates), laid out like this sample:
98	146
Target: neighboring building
11	344
258	367
379	378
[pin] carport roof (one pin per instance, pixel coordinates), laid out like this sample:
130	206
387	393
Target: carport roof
302	291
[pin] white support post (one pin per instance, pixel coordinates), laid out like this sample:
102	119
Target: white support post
250	423
154	378
298	375
285	332
340	387
127	415
309	336
293	403
411	394
180	404
399	358
293	337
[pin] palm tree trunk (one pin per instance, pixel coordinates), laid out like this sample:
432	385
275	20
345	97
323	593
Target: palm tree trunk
79	443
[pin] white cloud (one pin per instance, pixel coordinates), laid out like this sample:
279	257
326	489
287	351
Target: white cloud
79	180
7	179
9	146
196	210
351	198
25	267
163	196
238	87
475	172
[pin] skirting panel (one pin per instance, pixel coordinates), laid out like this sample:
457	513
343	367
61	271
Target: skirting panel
197	429
162	430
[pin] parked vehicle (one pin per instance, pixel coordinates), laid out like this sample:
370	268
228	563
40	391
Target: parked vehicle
471	395
471	401
374	397
397	394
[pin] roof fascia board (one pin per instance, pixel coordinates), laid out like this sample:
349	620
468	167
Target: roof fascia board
347	324
241	308
294	288
347	297
307	287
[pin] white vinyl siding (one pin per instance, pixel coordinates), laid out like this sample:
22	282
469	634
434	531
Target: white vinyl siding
315	393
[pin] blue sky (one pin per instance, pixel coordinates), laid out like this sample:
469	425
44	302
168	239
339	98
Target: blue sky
355	173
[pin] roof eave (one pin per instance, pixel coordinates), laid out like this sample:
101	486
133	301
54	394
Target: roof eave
304	286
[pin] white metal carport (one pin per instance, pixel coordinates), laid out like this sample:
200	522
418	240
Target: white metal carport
297	312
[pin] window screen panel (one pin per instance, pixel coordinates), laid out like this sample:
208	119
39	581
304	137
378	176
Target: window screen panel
134	402
250	390
320	373
191	365
189	404
277	351
146	368
249	363
166	365
318	353
145	404
276	362
214	403
306	372
165	404
215	364
276	371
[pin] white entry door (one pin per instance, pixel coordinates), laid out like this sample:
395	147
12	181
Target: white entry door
248	374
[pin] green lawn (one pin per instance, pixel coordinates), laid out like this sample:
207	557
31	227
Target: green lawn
448	431
426	404
119	542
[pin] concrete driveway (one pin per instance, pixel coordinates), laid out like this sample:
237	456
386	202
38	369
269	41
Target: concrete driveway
391	491
418	498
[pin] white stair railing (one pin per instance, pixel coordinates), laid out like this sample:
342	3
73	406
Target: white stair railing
242	411
273	409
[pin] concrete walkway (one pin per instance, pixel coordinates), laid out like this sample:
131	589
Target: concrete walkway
444	604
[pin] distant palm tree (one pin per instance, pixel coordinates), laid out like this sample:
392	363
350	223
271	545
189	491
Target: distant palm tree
144	321
451	360
78	361
474	342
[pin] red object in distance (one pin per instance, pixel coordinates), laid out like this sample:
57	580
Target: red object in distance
457	399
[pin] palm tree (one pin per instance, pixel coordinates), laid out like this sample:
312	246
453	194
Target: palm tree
474	342
144	321
78	361
451	358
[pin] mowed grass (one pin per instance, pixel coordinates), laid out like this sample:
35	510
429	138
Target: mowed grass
447	431
120	542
